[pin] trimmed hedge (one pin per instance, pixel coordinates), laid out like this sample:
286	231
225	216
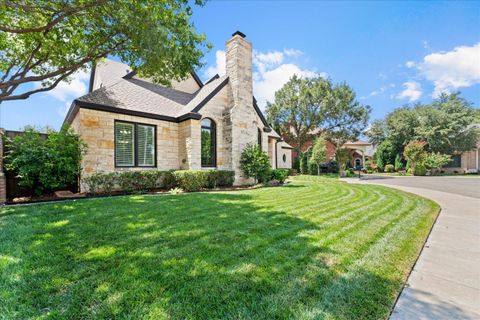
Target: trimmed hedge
149	180
280	175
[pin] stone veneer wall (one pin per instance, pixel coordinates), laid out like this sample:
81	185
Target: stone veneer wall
243	117
96	129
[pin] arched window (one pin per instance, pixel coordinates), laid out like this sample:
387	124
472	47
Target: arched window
209	143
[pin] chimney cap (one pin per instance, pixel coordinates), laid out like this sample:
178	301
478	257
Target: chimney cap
241	34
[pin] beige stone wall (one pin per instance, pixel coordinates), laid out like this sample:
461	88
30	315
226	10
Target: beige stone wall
469	162
97	130
217	110
288	156
189	144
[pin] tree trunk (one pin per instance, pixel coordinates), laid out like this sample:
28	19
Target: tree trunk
318	167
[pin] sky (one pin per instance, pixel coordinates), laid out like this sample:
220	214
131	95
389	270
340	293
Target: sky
391	53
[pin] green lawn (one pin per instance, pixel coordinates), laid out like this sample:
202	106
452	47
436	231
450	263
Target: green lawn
316	249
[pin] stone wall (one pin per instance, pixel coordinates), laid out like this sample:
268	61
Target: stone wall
281	152
96	129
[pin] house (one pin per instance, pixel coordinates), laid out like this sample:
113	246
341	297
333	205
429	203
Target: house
130	123
465	162
359	150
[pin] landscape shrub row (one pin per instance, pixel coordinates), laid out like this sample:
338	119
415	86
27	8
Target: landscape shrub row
143	181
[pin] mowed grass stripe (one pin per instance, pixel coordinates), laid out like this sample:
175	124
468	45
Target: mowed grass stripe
306	251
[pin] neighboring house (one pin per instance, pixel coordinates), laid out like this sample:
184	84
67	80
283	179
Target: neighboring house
360	151
466	162
130	123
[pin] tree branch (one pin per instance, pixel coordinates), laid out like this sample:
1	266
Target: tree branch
29	93
68	12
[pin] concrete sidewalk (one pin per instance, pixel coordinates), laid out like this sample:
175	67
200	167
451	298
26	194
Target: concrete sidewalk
445	282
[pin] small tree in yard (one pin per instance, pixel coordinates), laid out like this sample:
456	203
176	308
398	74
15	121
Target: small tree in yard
45	164
319	153
343	157
254	162
398	163
415	153
434	161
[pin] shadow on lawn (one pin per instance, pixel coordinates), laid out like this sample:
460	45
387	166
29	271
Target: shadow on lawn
196	256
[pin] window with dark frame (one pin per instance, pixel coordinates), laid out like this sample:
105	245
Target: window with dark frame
135	144
284	158
455	161
259	137
208	142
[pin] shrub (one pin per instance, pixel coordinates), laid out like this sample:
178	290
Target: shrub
100	183
420	170
280	175
45	164
389	168
380	165
434	161
191	180
220	178
415	153
254	162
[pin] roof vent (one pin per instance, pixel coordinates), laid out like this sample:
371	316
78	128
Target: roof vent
241	34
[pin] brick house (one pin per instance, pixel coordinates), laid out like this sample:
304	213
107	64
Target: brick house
130	123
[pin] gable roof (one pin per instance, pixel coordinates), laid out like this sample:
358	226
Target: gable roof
114	88
141	98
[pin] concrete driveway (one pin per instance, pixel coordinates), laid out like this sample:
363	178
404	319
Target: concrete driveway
445	281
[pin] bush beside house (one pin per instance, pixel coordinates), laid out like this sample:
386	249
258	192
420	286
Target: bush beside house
150	180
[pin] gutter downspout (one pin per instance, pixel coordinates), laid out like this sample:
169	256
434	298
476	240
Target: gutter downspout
276	154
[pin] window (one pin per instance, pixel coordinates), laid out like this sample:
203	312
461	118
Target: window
284	158
455	162
358	162
208	139
134	145
259	137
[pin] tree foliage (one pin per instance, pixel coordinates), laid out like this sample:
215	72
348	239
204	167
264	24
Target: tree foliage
45	164
434	161
444	125
44	41
377	132
398	162
319	152
415	153
386	153
305	107
254	162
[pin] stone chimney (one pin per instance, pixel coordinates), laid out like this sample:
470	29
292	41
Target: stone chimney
243	122
239	68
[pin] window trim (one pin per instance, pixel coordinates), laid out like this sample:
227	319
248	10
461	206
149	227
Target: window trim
214	142
135	144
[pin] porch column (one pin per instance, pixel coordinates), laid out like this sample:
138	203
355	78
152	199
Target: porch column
363	159
476	158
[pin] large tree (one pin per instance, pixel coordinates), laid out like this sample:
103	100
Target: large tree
43	42
307	107
444	125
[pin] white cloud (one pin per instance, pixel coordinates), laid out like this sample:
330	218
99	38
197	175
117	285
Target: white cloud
412	91
271	70
218	67
410	64
293	52
76	87
425	44
459	68
266	83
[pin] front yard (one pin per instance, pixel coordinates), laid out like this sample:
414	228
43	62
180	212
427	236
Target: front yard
317	248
